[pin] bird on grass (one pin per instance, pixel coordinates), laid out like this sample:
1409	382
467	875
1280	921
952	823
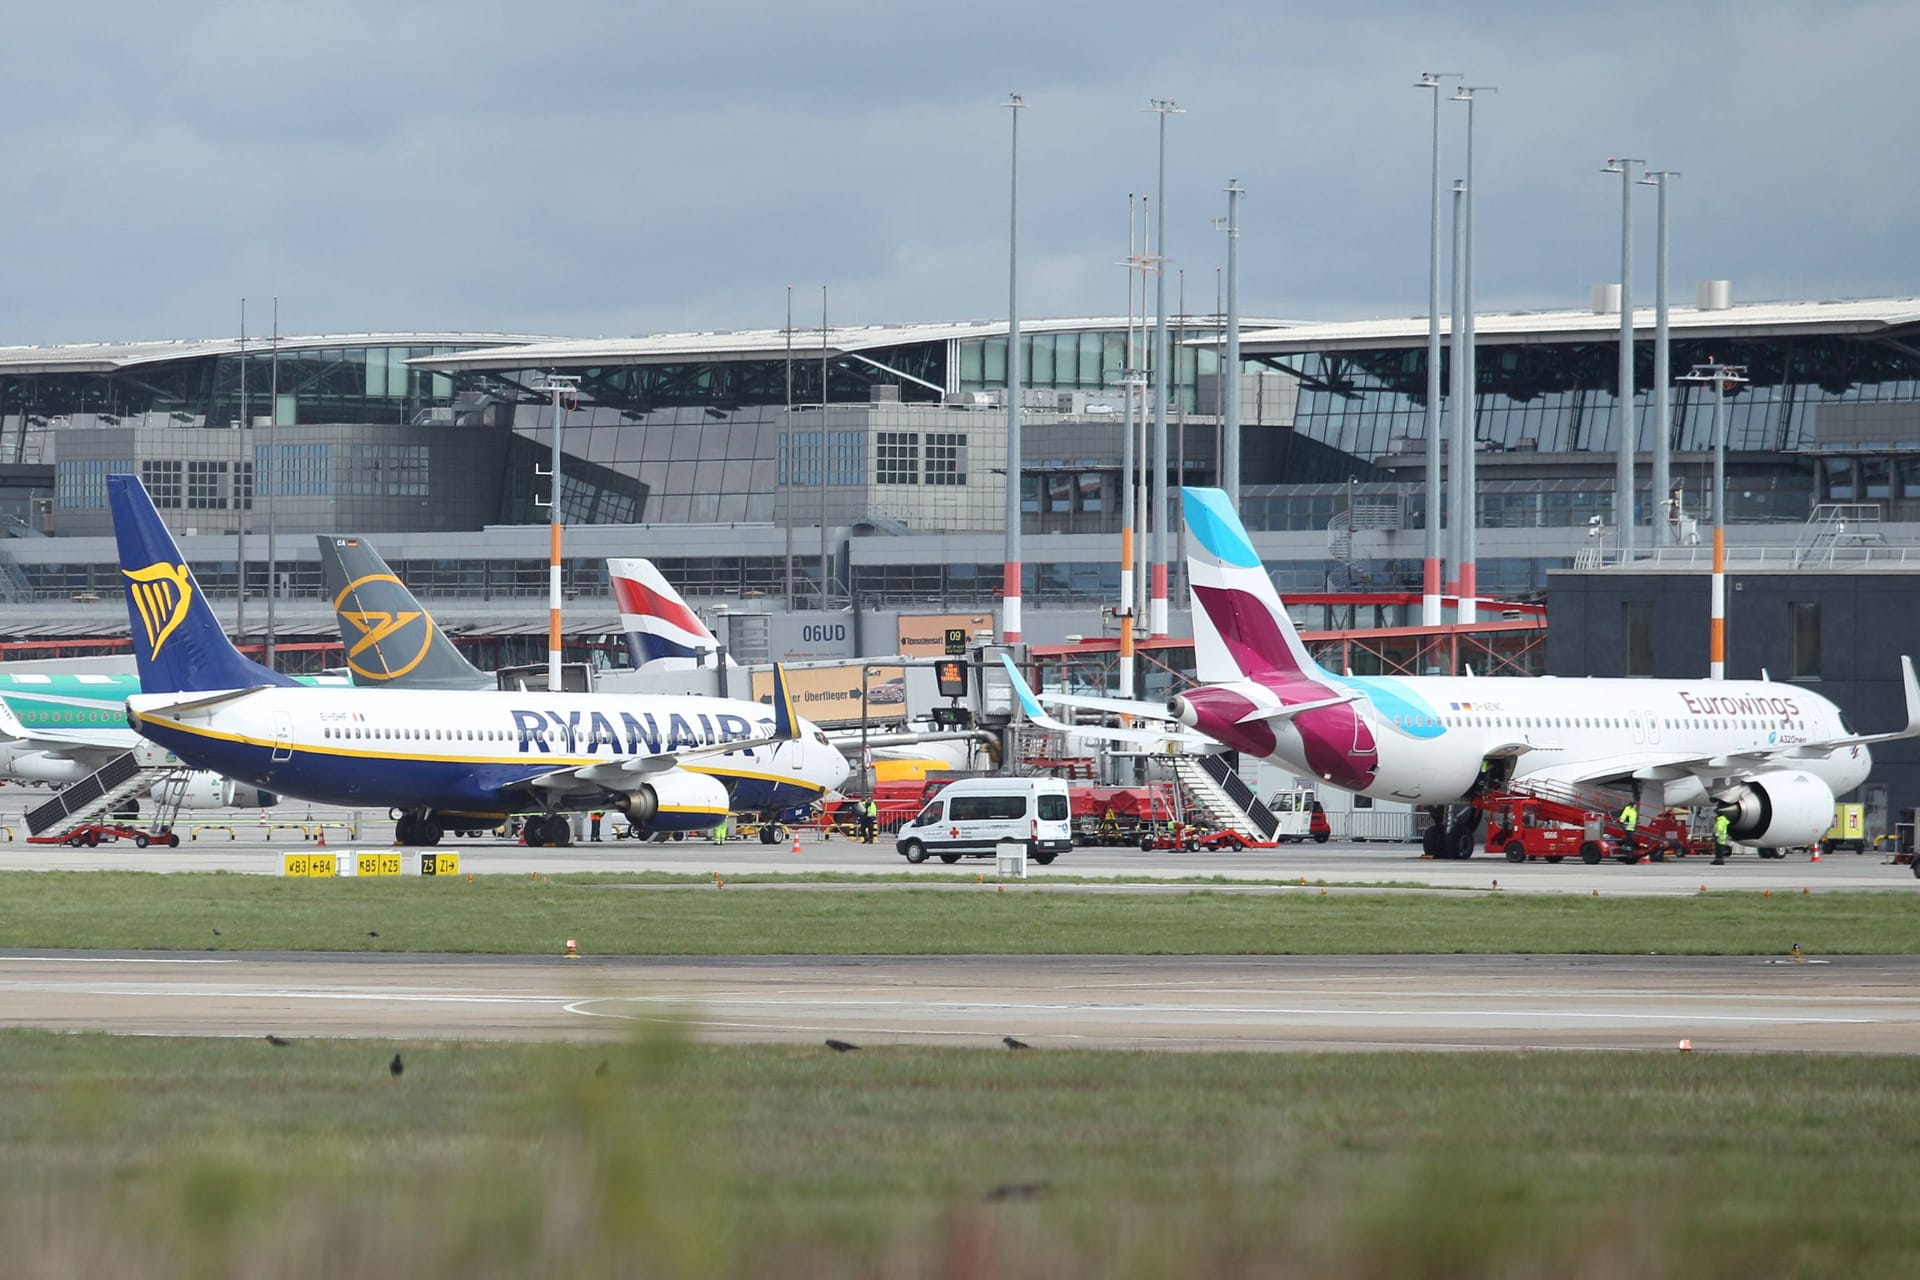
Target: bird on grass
840	1046
1018	1191
276	1041
373	933
602	1069
216	931
395	1067
1011	1043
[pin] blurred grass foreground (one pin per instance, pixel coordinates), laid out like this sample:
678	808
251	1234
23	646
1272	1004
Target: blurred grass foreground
144	1157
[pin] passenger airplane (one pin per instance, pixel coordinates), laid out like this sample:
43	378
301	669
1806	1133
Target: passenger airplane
663	634
58	727
668	763
1772	757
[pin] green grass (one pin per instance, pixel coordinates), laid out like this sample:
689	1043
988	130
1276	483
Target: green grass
150	1157
511	915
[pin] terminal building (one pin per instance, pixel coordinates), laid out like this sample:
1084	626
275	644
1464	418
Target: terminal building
802	485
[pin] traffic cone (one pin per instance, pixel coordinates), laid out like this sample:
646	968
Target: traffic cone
1816	853
1686	1046
323	838
573	951
796	842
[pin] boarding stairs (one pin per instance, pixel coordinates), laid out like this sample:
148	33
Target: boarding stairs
1226	801
123	778
1834	525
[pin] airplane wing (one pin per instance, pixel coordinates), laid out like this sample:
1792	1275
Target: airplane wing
1157	738
613	775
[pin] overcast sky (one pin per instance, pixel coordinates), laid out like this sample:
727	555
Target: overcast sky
583	168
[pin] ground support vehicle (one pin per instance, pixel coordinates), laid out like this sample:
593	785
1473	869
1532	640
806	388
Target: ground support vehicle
90	835
1555	823
1299	817
1117	816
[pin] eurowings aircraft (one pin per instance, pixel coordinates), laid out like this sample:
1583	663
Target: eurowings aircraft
668	763
663	634
1770	756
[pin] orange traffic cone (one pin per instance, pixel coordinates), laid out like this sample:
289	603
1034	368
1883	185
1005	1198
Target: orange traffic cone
1816	853
573	951
1686	1046
323	838
796	842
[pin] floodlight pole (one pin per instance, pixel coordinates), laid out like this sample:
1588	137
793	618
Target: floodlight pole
1230	375
1010	577
1468	610
1430	593
1623	420
1163	386
561	385
1661	492
242	496
1721	376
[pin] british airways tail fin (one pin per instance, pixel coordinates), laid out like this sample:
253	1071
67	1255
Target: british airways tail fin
177	641
389	636
1240	627
660	627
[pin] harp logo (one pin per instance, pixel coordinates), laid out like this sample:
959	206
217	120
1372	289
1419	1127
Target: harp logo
161	594
390	634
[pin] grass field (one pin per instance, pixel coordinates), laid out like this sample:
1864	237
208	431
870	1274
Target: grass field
613	916
147	1157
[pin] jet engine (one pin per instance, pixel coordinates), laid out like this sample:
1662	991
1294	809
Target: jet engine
40	766
1784	808
677	801
204	790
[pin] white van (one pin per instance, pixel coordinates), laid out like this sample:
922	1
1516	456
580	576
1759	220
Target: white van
968	818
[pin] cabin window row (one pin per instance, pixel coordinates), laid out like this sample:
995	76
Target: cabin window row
1589	722
437	735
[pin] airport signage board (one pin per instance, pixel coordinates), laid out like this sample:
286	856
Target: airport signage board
831	695
924	635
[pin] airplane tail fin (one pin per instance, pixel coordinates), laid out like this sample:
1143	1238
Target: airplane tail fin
1240	627
389	636
177	642
658	623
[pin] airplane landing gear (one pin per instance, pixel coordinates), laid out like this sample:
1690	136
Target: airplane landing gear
417	828
554	831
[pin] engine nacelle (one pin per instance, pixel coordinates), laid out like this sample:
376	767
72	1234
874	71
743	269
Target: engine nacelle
39	766
1781	809
203	790
675	801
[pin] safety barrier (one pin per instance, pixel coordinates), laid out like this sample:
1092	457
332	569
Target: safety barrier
195	828
9	831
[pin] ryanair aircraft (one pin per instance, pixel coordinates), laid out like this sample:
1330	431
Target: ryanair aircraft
440	756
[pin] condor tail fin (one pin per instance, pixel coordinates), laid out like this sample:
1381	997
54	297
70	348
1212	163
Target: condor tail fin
389	636
662	632
177	642
1240	628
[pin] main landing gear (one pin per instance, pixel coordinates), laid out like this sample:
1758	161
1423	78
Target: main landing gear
553	830
417	828
1450	835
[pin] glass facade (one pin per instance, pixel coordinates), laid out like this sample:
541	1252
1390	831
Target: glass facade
1833	418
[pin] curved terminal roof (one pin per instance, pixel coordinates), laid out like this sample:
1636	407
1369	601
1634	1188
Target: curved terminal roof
758	344
1752	320
110	357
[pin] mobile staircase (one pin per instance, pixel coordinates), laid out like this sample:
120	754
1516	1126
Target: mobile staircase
76	811
1224	799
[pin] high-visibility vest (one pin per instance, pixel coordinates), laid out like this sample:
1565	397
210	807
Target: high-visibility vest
1720	829
1629	817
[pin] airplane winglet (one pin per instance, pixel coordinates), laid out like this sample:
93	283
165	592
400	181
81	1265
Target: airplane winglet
1028	703
786	725
1911	687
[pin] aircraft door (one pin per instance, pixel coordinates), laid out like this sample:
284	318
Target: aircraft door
1639	728
282	736
1653	729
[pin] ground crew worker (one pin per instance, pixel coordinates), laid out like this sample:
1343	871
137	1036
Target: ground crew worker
719	832
1629	819
594	823
1722	828
869	819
